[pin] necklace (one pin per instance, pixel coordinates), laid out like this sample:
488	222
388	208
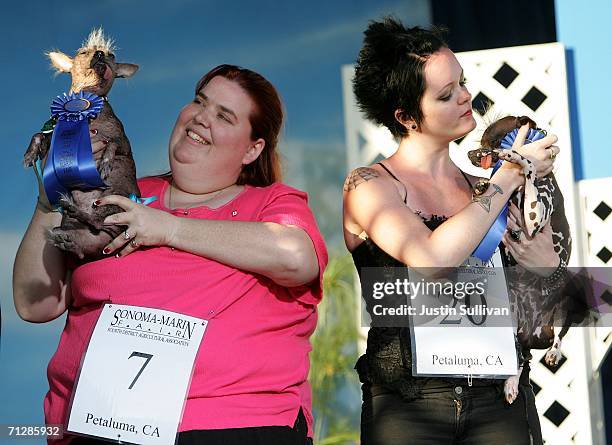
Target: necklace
199	203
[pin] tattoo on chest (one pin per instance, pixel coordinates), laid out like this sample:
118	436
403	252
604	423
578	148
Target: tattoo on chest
359	176
485	200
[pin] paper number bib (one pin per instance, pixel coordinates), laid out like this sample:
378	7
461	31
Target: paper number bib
466	343
135	375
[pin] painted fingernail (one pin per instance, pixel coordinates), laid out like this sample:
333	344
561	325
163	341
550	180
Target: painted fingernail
97	202
106	250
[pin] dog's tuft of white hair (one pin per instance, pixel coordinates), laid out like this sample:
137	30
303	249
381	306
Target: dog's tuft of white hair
490	116
96	39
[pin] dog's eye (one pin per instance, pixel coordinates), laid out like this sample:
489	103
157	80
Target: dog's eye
111	55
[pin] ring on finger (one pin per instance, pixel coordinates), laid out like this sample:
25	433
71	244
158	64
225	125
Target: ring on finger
552	155
133	243
126	235
515	235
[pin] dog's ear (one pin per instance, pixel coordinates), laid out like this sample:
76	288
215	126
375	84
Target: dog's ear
126	69
60	61
524	120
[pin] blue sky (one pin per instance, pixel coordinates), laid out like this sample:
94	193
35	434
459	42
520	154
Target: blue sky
299	46
586	30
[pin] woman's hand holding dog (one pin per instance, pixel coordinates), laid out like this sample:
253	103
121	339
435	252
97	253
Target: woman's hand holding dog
145	226
536	254
541	153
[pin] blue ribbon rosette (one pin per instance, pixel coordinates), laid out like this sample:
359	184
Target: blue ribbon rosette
533	135
485	250
70	162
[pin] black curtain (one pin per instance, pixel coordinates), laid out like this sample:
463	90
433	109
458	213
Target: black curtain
486	24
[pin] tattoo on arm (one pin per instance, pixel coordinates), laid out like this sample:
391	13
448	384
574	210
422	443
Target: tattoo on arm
485	200
359	176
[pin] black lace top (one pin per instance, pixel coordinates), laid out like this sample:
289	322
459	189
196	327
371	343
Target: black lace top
388	358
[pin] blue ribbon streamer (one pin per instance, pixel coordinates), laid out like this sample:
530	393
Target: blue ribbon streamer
145	201
485	250
70	162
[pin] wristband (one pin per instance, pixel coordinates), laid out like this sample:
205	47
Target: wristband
558	278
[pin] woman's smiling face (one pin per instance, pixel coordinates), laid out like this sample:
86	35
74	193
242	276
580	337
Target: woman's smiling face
212	135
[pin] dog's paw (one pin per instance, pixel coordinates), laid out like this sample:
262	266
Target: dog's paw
64	241
511	389
30	158
61	239
553	356
34	150
67	204
105	168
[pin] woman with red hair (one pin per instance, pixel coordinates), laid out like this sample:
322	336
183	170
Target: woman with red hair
226	242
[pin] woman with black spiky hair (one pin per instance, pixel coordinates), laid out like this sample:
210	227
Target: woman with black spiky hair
416	208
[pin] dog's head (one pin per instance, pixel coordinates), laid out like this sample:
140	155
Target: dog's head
493	135
491	139
93	68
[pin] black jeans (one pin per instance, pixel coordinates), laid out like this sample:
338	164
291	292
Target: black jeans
260	435
446	414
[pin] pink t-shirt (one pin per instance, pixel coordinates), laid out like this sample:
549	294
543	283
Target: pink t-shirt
252	366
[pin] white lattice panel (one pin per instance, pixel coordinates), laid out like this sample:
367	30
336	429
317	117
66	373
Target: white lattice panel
531	80
365	141
537	88
528	80
562	394
596	205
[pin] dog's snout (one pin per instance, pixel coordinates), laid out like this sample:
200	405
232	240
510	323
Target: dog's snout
98	55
